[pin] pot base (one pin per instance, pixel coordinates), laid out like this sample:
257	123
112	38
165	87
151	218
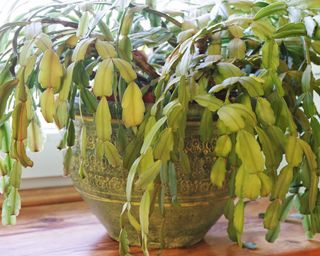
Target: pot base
182	226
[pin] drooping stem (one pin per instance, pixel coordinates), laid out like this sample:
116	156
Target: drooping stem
162	15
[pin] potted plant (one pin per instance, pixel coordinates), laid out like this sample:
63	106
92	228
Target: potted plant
159	158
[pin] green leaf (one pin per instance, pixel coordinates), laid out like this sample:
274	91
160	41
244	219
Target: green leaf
228	70
5	91
308	105
15	175
131	152
89	100
240	177
172	180
144	210
252	158
313	191
123	243
164	146
270	55
263	29
253	85
218	172
293	151
229	209
132	172
183	92
310	156
151	134
270	150
315	125
290	30
272	215
286	207
184	162
226	84
271	9
235	116
206	125
264	111
238	219
273	234
283	182
306	79
148	176
208	101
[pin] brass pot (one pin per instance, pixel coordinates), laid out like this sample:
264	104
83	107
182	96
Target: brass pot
200	204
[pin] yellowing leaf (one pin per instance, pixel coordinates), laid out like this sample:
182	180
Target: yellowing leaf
151	134
266	184
264	111
263	29
61	113
47	105
148	176
19	122
230	118
270	55
293	151
83	24
310	156
43	42
237	49
253	85
66	85
283	182
112	154
80	51
125	69
228	70
72	41
248	150
105	49
223	146
35	136
146	160
271	150
251	186
132	106
235	116
103	79
218	172
208	101
164	146
51	70
238	219
103	120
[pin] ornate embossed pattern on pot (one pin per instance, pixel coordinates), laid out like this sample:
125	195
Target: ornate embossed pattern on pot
200	204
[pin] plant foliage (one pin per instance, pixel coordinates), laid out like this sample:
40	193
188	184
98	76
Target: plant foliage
251	66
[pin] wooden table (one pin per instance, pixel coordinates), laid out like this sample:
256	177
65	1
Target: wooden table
62	225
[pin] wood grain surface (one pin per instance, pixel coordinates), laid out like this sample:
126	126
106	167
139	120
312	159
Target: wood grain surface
67	228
